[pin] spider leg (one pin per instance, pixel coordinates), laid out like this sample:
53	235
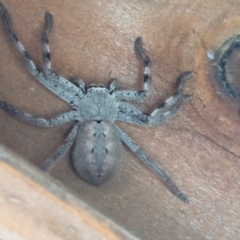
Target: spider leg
158	170
7	23
151	120
166	110
182	80
139	95
61	119
113	86
158	115
130	114
55	83
45	43
129	119
61	150
79	83
172	104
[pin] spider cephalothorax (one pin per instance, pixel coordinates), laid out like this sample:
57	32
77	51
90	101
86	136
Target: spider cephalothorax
95	138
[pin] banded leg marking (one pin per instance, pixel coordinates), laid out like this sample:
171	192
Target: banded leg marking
139	95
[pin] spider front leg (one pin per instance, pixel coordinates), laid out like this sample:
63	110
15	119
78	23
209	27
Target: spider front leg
7	23
139	95
172	104
158	170
45	43
166	110
55	83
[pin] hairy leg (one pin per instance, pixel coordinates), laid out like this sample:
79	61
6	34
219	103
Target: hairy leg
61	119
45	43
130	114
61	150
139	95
152	165
55	83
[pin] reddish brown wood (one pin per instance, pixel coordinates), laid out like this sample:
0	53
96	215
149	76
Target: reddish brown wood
35	206
199	147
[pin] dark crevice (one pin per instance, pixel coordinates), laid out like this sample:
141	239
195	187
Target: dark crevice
223	148
222	57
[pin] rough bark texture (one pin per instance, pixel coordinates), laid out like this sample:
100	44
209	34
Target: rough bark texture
199	147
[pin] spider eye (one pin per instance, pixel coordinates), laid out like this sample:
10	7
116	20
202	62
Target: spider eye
92	85
95	87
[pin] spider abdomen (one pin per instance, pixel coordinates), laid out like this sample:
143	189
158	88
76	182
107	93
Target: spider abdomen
97	151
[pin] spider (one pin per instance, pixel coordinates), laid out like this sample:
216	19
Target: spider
95	138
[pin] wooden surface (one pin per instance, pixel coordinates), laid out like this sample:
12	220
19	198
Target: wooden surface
199	147
36	206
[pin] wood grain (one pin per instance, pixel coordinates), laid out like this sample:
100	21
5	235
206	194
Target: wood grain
199	147
36	206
